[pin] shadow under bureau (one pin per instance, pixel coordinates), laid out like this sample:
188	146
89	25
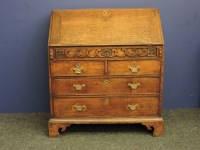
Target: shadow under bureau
105	67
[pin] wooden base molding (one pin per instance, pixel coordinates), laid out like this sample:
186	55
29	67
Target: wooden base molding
156	123
54	128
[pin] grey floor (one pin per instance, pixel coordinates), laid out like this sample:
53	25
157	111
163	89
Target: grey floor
29	131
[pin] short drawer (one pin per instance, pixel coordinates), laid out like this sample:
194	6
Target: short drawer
105	107
139	67
77	68
96	86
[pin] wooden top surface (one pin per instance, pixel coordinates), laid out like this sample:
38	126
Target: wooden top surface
89	27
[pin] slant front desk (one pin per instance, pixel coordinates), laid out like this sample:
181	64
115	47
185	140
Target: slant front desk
105	67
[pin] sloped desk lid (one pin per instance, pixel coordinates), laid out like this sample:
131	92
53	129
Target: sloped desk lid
89	27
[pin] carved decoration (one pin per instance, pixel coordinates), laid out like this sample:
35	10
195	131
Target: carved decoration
152	51
81	52
68	52
157	126
107	52
55	127
91	52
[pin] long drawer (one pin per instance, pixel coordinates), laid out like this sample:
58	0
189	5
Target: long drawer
101	86
105	107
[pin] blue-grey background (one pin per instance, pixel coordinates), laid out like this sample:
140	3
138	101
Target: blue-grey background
23	50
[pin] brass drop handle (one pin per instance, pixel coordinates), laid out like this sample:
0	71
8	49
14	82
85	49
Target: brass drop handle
80	108
79	87
133	86
133	106
78	69
134	68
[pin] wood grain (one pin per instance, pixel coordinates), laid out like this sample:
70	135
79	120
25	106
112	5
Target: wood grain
55	127
106	107
97	86
105	27
146	67
106	67
108	52
156	123
64	68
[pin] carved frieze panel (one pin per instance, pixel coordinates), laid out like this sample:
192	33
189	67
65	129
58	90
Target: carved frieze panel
106	52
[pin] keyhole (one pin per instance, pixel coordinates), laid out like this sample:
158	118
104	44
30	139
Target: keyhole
106	101
78	65
106	82
134	63
105	12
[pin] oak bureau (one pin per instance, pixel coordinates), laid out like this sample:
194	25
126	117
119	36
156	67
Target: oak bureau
105	67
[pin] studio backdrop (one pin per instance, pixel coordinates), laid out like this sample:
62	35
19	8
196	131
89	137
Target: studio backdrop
24	26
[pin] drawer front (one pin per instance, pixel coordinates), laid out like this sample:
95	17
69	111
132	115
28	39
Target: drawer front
77	68
96	86
143	67
105	107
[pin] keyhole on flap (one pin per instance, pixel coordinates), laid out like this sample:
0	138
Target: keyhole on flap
105	12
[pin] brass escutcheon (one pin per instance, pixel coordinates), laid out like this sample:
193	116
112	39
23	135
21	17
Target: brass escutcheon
134	68
80	108
79	87
106	100
133	86
133	106
78	69
106	82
